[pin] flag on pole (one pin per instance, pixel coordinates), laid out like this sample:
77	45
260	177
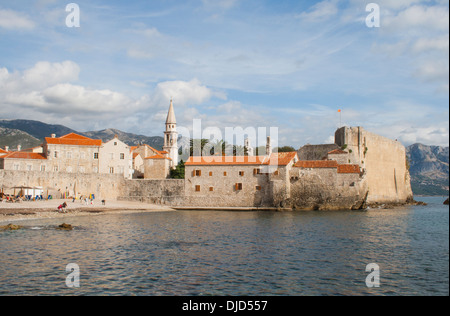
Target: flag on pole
339	111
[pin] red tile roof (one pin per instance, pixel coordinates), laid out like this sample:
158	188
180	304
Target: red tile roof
3	151
158	157
279	159
74	140
316	164
349	169
311	164
24	155
282	159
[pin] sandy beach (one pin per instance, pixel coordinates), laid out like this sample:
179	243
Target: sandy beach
10	212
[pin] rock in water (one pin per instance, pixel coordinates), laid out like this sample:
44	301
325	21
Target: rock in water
446	202
10	227
65	226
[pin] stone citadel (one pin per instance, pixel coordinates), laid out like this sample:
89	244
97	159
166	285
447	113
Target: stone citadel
359	170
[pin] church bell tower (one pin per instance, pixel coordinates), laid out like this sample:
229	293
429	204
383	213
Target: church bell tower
171	136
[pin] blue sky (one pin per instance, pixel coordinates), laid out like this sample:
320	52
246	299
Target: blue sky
248	63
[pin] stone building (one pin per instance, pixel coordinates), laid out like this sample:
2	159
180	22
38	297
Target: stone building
144	164
115	158
227	181
72	153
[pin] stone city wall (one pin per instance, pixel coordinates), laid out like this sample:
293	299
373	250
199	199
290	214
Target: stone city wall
103	186
165	192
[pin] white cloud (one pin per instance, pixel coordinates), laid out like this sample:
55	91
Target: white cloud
419	17
12	20
320	11
184	92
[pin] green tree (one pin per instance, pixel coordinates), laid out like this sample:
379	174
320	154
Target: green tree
285	149
178	172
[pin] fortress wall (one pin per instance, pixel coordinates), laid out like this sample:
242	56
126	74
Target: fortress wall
384	162
104	186
164	192
325	189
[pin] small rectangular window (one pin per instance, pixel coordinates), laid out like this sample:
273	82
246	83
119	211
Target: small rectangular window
198	173
211	189
122	156
211	174
238	186
197	188
95	155
225	174
241	173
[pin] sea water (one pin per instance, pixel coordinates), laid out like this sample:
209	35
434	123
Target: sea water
232	253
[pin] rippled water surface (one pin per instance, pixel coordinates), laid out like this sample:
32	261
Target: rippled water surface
233	253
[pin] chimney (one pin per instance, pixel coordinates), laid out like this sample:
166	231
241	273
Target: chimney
19	147
6	148
53	135
268	147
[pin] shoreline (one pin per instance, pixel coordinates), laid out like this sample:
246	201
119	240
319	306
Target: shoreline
13	212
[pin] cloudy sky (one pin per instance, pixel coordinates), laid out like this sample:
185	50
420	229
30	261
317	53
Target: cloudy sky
231	63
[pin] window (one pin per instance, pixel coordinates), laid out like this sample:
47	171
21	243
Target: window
56	154
241	173
258	188
211	189
276	173
225	174
122	156
211	174
115	143
55	168
42	168
197	188
197	173
95	155
111	170
238	186
256	171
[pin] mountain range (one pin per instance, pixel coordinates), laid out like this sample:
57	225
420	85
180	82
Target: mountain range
429	165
